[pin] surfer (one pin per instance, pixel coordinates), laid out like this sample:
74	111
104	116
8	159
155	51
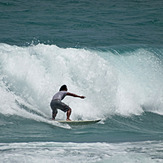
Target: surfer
57	104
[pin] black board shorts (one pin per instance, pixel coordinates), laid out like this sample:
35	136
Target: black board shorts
57	104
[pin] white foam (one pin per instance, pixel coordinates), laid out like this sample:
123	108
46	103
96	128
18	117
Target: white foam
122	84
81	152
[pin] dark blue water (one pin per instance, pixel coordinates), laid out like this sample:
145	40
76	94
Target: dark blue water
110	52
81	23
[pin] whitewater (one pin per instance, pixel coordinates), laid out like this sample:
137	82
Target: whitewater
114	83
123	87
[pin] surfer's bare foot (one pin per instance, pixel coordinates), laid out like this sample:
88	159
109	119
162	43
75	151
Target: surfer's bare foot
68	119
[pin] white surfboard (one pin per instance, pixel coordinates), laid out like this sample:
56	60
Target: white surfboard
80	122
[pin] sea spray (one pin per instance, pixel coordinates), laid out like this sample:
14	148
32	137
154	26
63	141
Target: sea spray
124	83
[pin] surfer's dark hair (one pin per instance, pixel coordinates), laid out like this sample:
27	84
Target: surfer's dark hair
63	88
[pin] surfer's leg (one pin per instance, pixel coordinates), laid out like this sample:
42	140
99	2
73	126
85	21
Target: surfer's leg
65	108
54	109
68	115
54	113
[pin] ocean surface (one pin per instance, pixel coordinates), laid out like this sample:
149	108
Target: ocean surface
109	51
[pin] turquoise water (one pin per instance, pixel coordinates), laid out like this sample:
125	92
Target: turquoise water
110	52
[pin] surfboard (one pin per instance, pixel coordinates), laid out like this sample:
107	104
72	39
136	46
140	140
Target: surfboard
80	122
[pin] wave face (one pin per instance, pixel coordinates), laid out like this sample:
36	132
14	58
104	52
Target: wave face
123	81
123	87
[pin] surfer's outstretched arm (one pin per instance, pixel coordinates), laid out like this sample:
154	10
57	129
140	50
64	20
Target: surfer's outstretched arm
74	95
